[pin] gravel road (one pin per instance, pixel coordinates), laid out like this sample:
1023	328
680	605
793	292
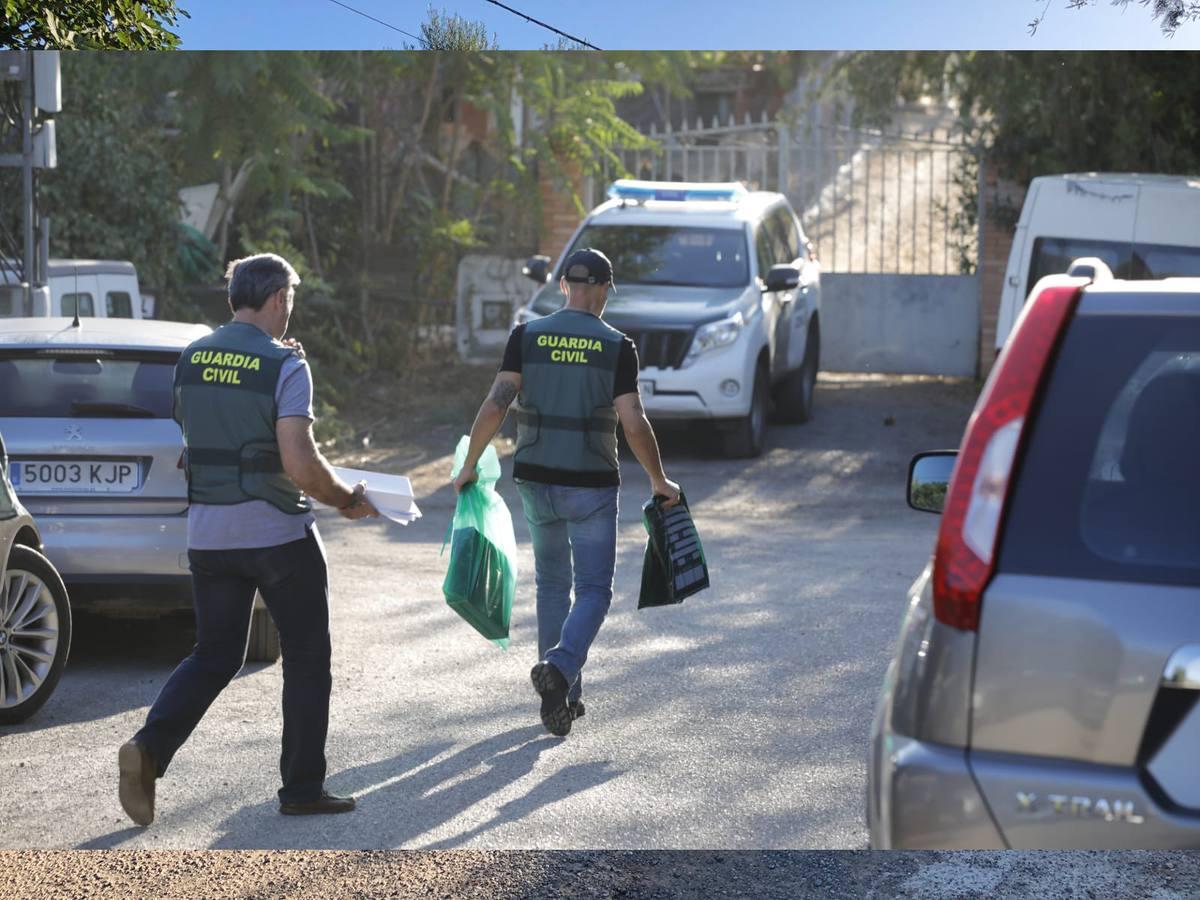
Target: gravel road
582	875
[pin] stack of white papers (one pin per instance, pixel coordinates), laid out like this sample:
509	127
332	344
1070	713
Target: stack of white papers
391	494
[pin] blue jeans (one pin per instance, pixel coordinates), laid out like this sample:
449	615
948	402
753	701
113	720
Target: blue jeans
571	524
293	581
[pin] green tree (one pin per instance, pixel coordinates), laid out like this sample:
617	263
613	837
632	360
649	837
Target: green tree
114	194
450	31
253	122
1039	113
89	24
1169	14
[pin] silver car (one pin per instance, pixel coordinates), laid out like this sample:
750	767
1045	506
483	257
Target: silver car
96	458
1043	691
35	615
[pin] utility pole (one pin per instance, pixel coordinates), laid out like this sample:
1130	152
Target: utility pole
39	80
28	199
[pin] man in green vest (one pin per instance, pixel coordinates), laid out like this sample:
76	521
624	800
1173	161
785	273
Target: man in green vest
244	400
573	377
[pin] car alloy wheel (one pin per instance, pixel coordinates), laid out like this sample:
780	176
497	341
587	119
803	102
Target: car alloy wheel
29	636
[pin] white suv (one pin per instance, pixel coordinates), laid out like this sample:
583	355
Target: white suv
721	292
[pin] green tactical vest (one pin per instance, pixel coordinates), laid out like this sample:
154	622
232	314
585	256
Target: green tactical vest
566	423
225	401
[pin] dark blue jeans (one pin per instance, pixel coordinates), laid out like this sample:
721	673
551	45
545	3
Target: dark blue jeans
293	581
574	535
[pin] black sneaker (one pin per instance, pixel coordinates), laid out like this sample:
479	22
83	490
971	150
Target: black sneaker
326	804
552	686
576	707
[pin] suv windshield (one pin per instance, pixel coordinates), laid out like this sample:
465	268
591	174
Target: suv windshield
81	386
1108	485
670	254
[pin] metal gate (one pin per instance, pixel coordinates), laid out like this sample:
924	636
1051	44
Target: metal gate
886	211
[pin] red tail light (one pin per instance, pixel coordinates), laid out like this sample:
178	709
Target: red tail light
966	545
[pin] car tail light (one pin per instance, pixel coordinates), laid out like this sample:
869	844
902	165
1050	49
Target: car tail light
974	512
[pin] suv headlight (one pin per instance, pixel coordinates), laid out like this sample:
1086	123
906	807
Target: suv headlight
721	333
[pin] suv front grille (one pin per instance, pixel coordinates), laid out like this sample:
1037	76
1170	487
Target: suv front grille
661	349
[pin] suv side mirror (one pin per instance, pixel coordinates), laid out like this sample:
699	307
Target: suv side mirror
537	268
929	479
782	278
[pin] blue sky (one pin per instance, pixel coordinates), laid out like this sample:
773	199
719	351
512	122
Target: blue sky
691	24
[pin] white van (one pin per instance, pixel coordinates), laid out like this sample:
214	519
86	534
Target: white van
97	288
1141	226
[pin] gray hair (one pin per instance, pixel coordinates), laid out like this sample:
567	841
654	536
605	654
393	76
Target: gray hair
253	279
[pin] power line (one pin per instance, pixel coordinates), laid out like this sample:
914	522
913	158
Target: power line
517	12
381	22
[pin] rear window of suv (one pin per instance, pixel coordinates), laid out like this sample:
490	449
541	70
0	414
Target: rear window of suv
83	386
1109	486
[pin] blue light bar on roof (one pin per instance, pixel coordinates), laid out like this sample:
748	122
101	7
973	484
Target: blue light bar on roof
641	191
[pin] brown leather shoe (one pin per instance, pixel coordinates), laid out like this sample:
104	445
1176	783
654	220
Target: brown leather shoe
138	774
326	804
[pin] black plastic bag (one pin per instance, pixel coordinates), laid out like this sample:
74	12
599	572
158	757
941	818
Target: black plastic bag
673	566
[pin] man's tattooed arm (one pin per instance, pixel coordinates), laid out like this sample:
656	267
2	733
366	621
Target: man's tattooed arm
503	394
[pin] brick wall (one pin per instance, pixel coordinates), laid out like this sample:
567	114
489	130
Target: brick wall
999	193
560	216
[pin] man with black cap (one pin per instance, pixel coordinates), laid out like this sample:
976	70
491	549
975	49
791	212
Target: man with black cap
574	377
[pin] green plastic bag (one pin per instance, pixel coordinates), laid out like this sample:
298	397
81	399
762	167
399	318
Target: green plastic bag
481	579
673	566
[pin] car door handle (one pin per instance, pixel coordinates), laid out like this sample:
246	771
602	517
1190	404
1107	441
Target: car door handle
1183	669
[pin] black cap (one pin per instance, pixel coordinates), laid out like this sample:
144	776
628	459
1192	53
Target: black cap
589	266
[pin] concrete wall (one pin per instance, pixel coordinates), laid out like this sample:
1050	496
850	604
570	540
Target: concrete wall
490	288
900	324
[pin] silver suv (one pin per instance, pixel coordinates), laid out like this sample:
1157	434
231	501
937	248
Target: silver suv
86	410
1043	692
35	615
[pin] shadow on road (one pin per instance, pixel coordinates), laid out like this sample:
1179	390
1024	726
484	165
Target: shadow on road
403	798
112	840
117	664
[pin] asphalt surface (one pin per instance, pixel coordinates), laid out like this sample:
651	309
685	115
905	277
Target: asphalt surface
738	720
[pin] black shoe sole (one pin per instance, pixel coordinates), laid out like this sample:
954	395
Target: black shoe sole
315	810
556	715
